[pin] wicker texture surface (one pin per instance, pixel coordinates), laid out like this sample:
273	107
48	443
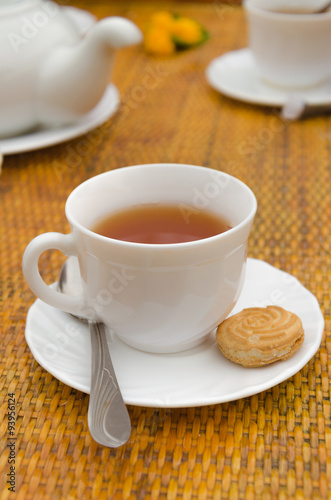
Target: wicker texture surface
272	445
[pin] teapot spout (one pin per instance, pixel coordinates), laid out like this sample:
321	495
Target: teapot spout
74	78
117	32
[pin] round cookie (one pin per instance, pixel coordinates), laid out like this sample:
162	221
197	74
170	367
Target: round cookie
258	336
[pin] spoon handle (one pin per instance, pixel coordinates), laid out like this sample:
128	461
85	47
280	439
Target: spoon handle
108	418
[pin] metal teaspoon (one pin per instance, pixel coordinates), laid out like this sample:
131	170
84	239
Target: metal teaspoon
108	418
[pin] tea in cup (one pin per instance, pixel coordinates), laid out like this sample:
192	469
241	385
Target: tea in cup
290	47
161	249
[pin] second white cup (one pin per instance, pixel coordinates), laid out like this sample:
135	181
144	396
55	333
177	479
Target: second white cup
290	49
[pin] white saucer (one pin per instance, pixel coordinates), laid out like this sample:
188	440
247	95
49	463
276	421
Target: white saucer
200	376
235	75
105	108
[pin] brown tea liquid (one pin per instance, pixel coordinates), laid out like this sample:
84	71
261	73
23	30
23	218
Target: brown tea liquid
161	224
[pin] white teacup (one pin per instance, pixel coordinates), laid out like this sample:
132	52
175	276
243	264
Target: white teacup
156	297
290	49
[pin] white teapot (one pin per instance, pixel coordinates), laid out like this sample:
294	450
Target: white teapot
51	74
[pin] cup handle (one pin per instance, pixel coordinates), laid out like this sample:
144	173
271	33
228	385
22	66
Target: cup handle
50	241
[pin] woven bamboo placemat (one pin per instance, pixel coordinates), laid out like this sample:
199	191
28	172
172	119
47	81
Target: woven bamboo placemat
276	444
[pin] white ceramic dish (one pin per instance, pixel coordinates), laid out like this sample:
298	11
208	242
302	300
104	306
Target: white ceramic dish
200	376
49	137
234	74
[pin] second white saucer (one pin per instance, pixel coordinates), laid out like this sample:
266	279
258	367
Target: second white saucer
235	75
